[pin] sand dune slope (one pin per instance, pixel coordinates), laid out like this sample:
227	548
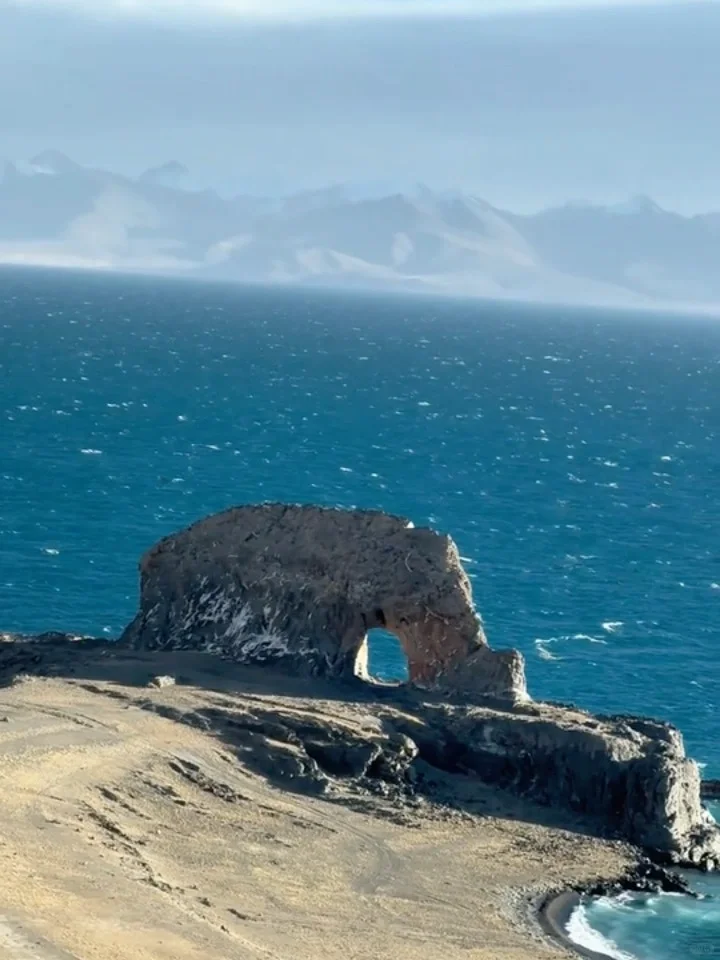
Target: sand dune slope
127	835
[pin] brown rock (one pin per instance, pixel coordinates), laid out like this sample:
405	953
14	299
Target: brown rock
300	586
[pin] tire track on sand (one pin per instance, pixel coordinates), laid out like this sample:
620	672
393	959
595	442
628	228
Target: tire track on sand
17	944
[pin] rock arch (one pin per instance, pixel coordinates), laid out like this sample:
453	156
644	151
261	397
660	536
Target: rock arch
300	586
382	646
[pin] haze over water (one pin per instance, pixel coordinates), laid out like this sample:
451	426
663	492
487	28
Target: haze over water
573	455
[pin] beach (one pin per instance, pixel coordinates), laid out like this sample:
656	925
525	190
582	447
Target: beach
554	916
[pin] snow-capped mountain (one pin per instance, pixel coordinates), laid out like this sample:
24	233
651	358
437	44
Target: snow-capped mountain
54	211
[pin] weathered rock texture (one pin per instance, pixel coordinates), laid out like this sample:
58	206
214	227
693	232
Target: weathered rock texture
297	589
630	773
301	587
617	776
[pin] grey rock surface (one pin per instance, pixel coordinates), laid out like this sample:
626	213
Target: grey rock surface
300	586
612	776
634	777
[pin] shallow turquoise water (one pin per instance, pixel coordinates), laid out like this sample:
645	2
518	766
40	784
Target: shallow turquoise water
666	927
574	456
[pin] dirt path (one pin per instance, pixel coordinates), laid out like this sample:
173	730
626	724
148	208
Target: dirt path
128	836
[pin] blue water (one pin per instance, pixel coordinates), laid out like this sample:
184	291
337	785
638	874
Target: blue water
574	456
653	927
664	927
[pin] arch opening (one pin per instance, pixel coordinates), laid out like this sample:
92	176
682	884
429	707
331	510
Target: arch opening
382	658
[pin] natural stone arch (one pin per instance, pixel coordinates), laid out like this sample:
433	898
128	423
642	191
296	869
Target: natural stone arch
369	652
300	586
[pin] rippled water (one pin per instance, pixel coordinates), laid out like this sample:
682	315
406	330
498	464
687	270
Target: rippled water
574	456
665	927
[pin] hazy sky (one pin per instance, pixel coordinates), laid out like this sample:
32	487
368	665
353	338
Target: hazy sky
551	101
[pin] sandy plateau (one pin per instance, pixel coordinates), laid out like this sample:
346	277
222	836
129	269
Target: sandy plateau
136	827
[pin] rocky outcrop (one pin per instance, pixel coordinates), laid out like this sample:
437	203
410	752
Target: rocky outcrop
616	776
630	774
644	877
300	586
297	589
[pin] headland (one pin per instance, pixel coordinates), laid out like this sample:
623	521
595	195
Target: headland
227	780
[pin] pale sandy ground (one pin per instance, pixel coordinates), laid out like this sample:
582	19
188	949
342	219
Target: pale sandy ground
113	846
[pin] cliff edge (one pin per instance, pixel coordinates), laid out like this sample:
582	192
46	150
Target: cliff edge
297	588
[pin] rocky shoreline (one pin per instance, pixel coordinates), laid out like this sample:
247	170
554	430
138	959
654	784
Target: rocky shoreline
556	910
339	744
296	589
280	600
544	754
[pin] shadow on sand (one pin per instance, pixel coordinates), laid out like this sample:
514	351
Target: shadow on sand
383	748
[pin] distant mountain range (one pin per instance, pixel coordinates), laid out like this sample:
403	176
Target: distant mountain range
56	212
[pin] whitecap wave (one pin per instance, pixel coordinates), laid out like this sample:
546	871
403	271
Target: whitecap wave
586	636
583	935
612	626
541	646
542	643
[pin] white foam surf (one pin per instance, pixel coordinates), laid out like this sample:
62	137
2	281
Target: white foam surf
586	636
542	644
583	935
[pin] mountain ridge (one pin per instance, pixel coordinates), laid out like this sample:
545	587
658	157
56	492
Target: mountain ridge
56	212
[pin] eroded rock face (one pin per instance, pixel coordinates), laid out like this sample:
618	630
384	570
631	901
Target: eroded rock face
619	776
630	773
301	587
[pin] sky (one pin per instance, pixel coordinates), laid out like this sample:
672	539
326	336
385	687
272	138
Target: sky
525	103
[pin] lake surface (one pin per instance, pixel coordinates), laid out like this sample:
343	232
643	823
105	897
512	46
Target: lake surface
573	455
